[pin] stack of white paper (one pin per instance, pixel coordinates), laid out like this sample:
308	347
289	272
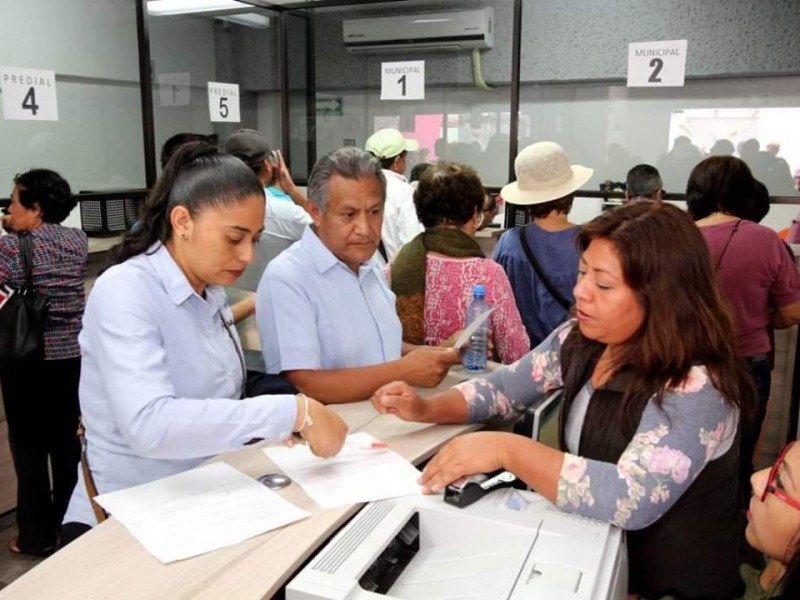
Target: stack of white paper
363	471
198	511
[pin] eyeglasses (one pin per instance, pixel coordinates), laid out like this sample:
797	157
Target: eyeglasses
771	488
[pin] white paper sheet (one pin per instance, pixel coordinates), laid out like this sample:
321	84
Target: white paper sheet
198	511
472	328
363	471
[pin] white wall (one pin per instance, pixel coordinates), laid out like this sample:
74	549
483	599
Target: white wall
92	47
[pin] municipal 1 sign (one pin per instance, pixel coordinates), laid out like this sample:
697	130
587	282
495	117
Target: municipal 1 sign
657	64
403	80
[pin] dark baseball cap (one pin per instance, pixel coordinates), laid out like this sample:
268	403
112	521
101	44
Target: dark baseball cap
249	145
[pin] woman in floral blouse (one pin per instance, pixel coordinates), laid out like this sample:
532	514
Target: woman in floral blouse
653	397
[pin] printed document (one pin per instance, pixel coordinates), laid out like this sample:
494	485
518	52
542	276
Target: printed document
199	511
363	471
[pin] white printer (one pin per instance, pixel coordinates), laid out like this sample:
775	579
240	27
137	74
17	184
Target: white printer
510	544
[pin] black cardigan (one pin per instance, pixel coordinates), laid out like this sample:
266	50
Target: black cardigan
693	550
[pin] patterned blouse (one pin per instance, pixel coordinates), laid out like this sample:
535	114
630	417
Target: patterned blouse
670	448
448	291
60	255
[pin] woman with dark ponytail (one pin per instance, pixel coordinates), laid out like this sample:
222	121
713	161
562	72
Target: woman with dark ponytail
163	375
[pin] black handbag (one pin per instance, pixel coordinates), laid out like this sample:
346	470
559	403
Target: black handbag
22	317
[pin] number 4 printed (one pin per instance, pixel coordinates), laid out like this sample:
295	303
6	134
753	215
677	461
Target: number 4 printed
29	101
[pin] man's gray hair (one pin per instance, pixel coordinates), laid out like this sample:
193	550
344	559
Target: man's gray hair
350	163
643	181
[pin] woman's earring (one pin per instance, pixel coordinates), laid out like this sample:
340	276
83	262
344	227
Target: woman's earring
184	237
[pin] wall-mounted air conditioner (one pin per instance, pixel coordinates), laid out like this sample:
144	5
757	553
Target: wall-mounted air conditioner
454	30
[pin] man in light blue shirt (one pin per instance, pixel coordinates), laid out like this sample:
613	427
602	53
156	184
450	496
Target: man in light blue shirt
326	316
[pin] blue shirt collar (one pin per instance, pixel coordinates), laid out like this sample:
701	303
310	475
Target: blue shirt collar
175	281
323	258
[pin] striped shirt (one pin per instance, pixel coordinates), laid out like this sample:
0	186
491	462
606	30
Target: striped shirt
60	255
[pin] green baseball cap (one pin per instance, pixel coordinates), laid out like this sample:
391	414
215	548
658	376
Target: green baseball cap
388	143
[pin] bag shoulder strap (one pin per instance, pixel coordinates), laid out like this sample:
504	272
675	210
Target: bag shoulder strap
26	244
540	271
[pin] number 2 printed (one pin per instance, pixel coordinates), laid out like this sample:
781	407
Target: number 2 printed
657	65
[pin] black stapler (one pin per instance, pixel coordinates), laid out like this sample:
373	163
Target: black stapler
467	490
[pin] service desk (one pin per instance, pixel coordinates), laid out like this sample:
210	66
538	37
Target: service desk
108	562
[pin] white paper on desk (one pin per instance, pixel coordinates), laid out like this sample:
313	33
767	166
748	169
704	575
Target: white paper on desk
358	473
472	328
198	511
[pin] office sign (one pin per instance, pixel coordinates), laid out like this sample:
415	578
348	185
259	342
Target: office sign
174	89
223	102
403	80
28	94
657	64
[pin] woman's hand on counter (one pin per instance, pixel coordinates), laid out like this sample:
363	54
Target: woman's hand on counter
320	427
468	454
400	399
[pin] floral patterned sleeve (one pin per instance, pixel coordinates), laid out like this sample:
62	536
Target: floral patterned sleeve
505	394
669	450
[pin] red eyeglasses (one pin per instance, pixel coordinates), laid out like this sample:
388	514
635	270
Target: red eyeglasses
771	488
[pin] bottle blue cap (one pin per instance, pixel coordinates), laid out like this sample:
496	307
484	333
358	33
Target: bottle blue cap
479	290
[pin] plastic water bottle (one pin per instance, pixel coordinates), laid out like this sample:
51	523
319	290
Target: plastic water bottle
474	356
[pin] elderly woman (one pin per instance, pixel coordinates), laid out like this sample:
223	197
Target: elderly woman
433	274
653	394
756	274
41	395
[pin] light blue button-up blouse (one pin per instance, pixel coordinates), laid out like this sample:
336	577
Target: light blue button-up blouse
161	380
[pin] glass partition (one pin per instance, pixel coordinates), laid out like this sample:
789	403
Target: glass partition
190	50
96	143
612	128
573	92
464	115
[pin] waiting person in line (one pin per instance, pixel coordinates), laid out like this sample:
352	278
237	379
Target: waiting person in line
490	210
759	204
643	184
326	316
285	220
163	374
176	141
756	274
434	273
546	185
773	529
40	396
653	395
416	173
400	223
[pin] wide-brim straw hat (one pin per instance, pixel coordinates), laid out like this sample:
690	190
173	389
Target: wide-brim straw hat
544	174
